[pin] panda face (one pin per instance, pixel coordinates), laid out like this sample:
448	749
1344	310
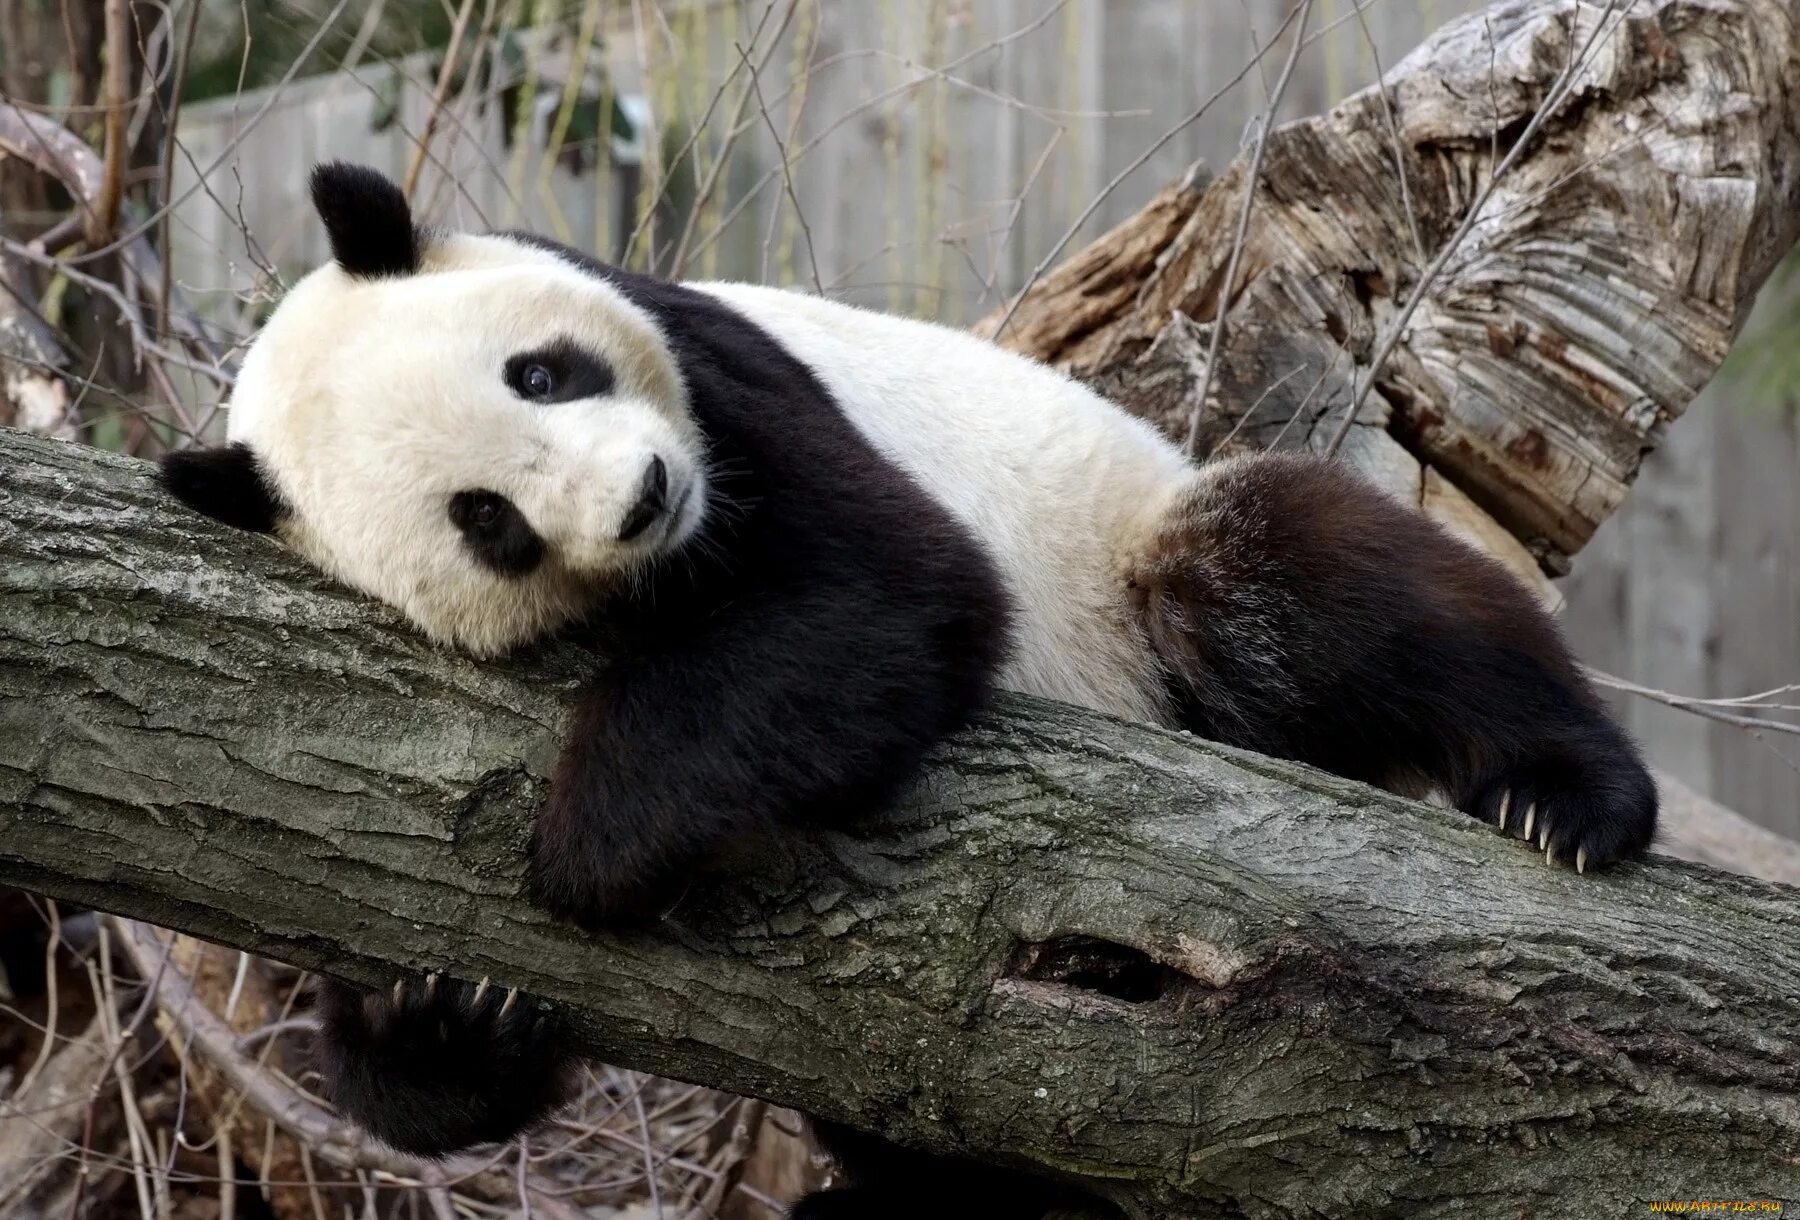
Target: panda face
491	442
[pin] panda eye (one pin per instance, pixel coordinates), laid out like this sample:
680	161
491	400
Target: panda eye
537	381
479	511
561	371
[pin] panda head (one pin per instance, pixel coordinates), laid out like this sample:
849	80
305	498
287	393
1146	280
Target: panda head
467	427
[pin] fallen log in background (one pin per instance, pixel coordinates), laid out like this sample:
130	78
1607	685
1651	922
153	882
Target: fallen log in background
1595	291
1208	982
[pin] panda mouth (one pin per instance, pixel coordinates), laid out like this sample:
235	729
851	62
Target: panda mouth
672	520
664	523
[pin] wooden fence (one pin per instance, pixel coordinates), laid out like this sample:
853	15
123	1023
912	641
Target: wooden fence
938	149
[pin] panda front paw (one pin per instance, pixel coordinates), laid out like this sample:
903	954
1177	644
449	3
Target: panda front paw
562	882
1587	803
436	1065
586	867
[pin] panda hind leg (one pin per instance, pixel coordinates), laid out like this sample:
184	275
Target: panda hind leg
1298	611
437	1065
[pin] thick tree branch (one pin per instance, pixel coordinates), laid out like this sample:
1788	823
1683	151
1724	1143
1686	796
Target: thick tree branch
1205	979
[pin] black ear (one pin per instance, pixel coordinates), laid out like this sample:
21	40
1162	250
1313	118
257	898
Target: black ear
224	483
367	218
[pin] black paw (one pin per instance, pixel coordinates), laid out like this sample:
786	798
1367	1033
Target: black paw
579	872
563	881
1586	804
436	1065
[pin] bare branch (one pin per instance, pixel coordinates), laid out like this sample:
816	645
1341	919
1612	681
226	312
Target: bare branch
446	74
1252	181
786	170
104	217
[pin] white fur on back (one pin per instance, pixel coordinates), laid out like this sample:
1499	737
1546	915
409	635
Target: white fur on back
369	402
1063	488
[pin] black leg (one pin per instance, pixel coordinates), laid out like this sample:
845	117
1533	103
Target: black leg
1302	613
433	1067
803	702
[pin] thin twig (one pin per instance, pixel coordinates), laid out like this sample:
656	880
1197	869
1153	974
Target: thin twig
1552	102
1017	206
165	248
786	170
1251	410
637	1105
52	991
1106	191
692	142
331	1137
862	107
1711	709
105	216
1393	125
445	74
1252	179
1300	411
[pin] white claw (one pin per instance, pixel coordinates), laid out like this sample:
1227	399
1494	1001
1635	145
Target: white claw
1544	835
1530	817
399	991
1581	859
1549	855
512	993
431	981
1505	808
481	989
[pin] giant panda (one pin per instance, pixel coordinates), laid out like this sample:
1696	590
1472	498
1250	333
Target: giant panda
811	540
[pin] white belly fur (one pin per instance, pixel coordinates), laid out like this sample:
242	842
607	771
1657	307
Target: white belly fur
1061	485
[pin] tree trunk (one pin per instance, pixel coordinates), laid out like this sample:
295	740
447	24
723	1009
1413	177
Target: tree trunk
1208	982
1204	982
1576	303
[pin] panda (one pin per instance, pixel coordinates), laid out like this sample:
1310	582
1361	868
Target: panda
810	541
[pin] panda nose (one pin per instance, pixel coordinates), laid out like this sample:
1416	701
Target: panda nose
653	491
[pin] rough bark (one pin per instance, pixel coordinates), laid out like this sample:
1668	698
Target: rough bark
1212	983
1596	293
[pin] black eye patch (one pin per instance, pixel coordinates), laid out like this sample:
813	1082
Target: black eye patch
562	371
496	532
